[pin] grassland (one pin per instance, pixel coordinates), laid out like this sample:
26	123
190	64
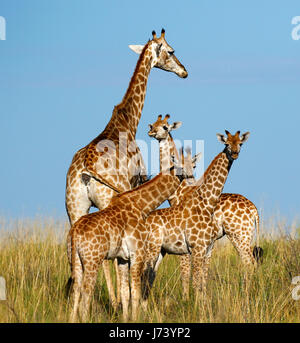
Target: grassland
33	261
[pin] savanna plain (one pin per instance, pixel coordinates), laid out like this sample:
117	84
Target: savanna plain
33	261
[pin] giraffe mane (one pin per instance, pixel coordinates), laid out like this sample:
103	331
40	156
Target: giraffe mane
200	181
134	76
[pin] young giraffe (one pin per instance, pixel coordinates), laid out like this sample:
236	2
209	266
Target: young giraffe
161	131
119	232
106	166
236	217
188	227
234	214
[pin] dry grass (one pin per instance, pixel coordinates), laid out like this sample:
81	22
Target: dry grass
33	261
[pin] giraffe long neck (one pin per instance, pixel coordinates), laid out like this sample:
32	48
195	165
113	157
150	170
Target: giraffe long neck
167	148
127	114
182	191
153	193
209	189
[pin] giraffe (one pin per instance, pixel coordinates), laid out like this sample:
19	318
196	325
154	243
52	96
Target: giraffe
161	131
188	228
118	231
234	215
112	163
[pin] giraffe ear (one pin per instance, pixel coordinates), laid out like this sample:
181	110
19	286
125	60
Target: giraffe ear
244	137
221	138
176	125
136	48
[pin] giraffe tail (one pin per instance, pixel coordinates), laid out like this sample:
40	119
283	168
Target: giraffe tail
68	287
257	250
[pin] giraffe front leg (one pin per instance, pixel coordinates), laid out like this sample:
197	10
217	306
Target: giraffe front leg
152	260
123	267
136	274
207	261
185	269
198	261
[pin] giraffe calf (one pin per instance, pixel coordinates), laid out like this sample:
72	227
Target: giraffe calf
119	232
188	227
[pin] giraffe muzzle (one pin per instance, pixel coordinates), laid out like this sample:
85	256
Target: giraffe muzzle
184	74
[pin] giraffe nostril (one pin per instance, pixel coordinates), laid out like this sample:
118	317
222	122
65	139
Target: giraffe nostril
184	75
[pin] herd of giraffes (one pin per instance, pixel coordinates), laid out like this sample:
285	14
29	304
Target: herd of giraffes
128	228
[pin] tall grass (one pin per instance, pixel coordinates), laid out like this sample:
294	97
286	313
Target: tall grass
34	264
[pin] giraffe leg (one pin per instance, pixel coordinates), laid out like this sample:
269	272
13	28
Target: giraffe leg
136	273
101	196
207	260
243	247
109	283
153	259
118	282
123	267
185	269
88	284
198	261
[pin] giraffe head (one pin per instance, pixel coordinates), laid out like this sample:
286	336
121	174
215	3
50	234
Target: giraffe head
189	162
233	143
185	167
161	128
163	56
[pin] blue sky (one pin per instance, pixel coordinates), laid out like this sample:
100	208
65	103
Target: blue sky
65	64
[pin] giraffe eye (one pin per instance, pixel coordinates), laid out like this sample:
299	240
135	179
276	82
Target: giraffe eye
165	127
171	52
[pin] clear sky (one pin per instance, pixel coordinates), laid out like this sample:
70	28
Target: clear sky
65	64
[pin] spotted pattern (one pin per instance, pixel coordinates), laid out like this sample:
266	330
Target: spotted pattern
119	232
188	227
109	175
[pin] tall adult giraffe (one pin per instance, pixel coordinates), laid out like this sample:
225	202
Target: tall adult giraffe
234	216
188	227
112	162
